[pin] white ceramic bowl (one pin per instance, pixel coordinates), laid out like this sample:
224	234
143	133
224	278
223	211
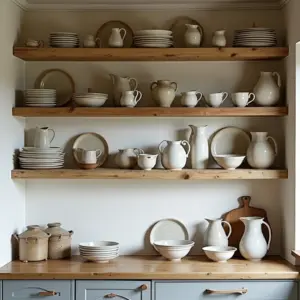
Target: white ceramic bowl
147	161
229	162
174	243
90	102
218	253
100	244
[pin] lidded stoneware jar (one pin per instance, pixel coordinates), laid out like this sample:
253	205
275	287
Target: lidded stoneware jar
33	244
59	242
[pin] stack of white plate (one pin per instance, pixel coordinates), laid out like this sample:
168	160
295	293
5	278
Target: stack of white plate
40	97
255	37
101	252
64	40
90	99
153	38
39	158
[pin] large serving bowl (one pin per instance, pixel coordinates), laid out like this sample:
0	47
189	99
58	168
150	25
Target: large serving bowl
219	253
173	250
90	99
229	161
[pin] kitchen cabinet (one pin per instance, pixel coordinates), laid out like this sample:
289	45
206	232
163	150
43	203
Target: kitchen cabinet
229	290
119	290
32	289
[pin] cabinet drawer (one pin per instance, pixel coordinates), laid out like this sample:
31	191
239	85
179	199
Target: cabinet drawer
256	290
34	289
123	290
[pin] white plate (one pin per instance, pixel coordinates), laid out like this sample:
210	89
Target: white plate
41	105
153	46
41	168
102	244
63	46
230	140
43	150
152	38
153	32
168	229
63	33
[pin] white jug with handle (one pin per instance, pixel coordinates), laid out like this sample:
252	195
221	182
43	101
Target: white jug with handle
253	245
88	156
116	39
42	139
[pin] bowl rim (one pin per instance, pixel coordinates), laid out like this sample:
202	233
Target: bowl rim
185	243
229	156
219	249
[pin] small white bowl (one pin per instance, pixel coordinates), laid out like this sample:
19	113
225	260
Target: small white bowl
174	243
147	161
219	253
90	101
230	161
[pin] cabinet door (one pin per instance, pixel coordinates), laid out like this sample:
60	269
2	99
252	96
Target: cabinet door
226	290
34	289
117	290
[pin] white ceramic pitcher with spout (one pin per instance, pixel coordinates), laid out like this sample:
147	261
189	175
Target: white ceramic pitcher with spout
173	154
120	85
117	37
215	234
88	156
253	245
42	137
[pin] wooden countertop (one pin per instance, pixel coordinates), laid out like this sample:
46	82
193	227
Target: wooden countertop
151	268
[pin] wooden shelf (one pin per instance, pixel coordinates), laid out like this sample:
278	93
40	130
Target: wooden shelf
149	54
149	112
186	174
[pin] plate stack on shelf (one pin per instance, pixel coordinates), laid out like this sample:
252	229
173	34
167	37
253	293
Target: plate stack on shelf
39	158
101	252
64	40
90	99
255	37
40	97
153	38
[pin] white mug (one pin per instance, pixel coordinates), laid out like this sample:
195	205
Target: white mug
191	99
242	99
89	156
130	98
216	99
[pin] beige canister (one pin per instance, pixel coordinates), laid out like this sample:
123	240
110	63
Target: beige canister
33	244
59	242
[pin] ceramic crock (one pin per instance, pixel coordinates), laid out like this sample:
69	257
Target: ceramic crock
60	241
219	39
33	244
163	92
192	36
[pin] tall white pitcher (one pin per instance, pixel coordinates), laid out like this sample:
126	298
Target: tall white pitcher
42	137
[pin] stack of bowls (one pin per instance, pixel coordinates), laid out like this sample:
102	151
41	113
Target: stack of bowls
101	252
173	250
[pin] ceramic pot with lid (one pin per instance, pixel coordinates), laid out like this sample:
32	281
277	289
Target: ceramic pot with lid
33	244
60	241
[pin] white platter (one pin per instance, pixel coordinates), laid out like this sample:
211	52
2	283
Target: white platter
63	33
153	32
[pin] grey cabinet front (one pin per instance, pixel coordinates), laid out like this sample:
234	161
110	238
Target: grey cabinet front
117	290
226	290
38	289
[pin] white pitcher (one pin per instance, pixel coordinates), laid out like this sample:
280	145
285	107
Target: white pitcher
116	39
253	245
219	39
192	36
127	158
260	154
199	147
88	156
267	90
215	234
42	139
173	155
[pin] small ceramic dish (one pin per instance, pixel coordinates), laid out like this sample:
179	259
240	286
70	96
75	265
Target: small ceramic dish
218	253
229	162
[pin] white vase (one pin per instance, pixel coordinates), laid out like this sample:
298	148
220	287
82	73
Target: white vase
260	154
267	90
192	36
219	39
199	147
215	234
253	245
174	155
163	92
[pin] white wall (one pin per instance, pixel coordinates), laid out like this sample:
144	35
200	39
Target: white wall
12	194
124	210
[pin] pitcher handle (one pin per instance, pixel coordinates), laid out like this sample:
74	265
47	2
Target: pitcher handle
138	151
138	96
251	95
230	229
124	31
275	144
270	234
186	143
276	74
159	146
153	85
135	83
224	96
199	96
174	85
98	153
53	134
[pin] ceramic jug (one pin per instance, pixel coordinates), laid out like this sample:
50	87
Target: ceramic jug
215	234
42	139
127	158
116	39
120	85
130	98
191	98
267	90
260	154
219	39
88	156
173	154
90	41
253	245
163	92
192	36
199	147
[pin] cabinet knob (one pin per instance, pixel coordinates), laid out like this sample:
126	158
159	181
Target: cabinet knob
226	292
143	287
47	294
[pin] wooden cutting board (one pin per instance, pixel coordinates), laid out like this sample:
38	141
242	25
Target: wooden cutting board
233	217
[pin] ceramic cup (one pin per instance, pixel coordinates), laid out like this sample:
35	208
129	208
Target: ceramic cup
34	43
147	161
191	99
242	99
216	99
89	156
130	98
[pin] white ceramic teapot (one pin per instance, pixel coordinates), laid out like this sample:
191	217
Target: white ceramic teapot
88	156
173	154
116	39
163	92
42	139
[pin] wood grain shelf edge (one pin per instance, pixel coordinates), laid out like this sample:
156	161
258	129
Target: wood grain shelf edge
186	174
